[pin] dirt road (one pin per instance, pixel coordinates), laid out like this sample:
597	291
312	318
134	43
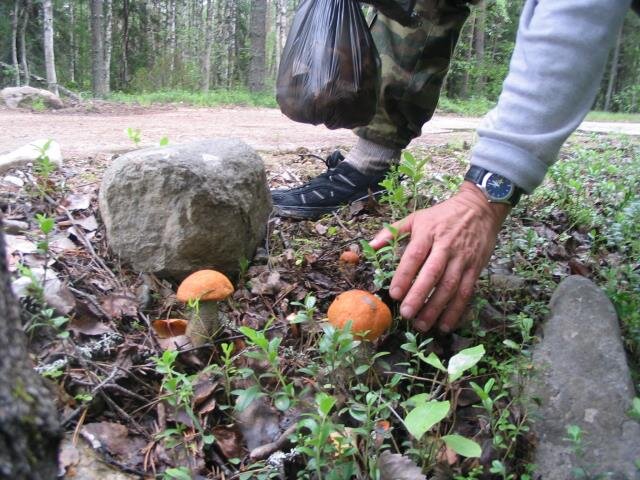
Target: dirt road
85	133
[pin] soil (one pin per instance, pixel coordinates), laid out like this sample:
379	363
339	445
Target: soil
85	130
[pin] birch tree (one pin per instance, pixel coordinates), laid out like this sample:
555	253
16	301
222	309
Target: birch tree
14	42
108	44
49	57
206	54
24	20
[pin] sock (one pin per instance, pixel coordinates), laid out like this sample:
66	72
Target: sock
371	158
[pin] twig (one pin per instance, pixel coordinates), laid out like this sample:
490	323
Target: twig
95	390
91	300
221	463
81	235
264	451
341	223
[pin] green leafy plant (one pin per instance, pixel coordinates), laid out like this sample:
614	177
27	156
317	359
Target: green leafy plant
385	259
267	350
43	168
135	135
178	392
404	185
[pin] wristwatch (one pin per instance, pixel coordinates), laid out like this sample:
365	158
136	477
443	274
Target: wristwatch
495	187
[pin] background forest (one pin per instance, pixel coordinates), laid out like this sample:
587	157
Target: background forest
135	46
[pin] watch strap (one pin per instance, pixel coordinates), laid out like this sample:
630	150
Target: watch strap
475	174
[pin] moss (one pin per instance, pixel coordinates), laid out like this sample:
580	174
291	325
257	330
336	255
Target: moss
20	392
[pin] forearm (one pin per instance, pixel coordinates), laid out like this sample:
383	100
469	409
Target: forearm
556	69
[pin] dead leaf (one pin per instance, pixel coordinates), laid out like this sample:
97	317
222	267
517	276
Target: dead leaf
60	243
320	228
447	455
88	223
394	466
267	283
88	325
115	438
169	327
76	201
229	440
578	268
180	342
19	244
259	423
207	407
118	305
203	388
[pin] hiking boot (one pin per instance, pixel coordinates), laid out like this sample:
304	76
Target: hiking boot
340	185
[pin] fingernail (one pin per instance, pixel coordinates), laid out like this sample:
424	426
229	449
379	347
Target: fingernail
406	312
395	293
421	326
445	328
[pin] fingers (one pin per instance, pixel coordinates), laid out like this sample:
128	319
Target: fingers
430	271
445	291
414	257
384	236
451	316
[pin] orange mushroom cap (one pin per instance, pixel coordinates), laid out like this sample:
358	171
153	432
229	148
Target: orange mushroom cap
204	285
172	327
350	257
366	311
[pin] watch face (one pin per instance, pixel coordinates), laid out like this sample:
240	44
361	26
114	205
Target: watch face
497	187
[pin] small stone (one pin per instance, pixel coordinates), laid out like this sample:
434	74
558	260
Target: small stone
582	378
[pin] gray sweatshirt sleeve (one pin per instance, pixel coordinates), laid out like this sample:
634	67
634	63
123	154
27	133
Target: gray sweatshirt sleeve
556	68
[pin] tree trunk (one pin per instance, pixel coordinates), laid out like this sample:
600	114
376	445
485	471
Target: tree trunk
231	20
125	42
258	36
14	42
29	429
23	41
108	45
172	37
464	88
49	58
150	30
479	41
206	55
281	29
100	89
613	72
73	45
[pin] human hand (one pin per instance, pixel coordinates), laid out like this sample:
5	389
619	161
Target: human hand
450	244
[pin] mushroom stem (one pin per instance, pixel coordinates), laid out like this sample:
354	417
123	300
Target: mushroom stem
203	323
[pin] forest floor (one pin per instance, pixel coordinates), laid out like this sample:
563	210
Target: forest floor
160	415
101	127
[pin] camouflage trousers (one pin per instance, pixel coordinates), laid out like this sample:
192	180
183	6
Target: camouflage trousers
414	62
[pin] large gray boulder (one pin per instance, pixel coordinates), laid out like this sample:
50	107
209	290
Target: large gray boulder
173	210
15	97
582	378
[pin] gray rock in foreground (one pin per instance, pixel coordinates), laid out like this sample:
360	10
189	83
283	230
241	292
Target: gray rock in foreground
15	97
583	379
173	210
